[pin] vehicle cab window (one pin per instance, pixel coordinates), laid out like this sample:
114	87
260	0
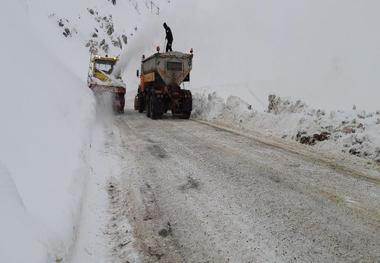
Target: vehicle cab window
104	67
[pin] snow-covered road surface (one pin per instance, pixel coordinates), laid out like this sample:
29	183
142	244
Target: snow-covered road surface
197	193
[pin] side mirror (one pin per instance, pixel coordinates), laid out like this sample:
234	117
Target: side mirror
138	73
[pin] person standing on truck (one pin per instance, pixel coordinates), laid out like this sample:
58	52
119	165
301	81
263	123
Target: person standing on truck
169	38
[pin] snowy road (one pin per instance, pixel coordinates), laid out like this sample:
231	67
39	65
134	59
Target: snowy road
196	193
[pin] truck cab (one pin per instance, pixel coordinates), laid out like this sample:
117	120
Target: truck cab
102	67
102	79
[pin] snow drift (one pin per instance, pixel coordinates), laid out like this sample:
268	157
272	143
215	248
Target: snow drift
356	132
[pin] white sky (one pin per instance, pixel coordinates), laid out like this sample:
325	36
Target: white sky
326	52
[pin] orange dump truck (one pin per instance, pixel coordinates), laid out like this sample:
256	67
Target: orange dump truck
160	85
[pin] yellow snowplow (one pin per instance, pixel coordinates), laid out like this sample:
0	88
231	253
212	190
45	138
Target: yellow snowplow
101	79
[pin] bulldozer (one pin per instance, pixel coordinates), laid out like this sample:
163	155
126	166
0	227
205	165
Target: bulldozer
102	80
160	89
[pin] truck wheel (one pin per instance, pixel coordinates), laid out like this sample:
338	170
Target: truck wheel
155	107
120	110
148	109
153	114
136	103
141	103
185	115
122	104
118	103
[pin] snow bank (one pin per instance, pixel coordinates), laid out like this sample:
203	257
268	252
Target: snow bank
15	217
46	113
356	132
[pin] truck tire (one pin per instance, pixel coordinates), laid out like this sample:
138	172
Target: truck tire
118	103
136	103
185	115
141	103
155	107
148	106
153	114
122	104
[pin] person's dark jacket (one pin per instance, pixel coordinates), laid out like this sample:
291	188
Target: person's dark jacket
169	35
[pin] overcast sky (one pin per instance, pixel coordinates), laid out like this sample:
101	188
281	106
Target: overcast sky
326	52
